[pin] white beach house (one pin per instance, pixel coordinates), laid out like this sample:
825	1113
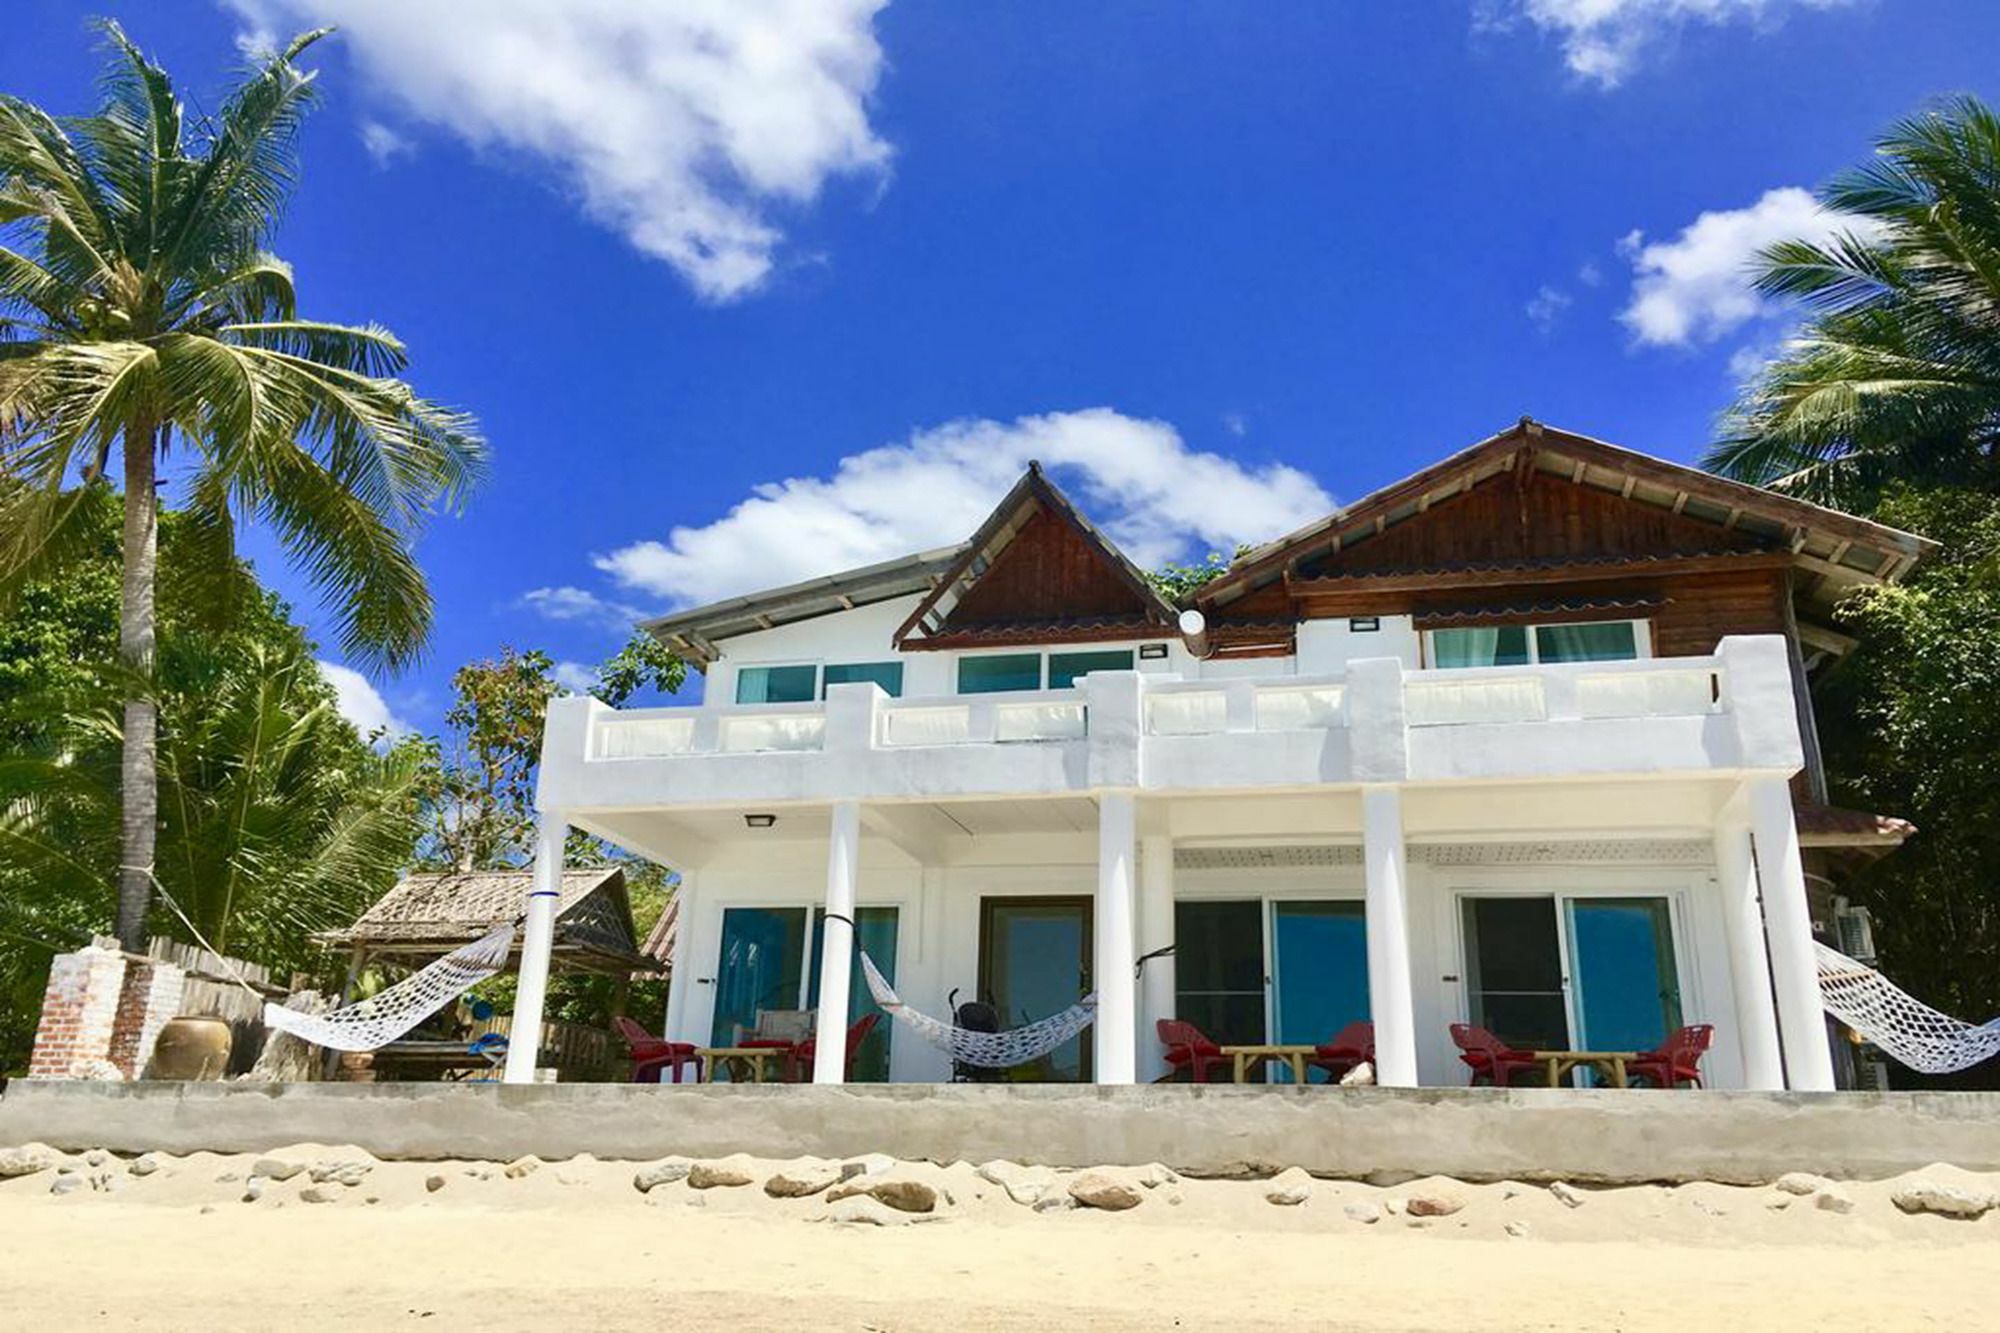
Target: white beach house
1522	740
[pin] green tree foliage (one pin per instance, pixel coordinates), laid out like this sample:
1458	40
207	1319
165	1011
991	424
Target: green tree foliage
1911	722
482	784
480	797
141	312
1178	581
1896	373
276	818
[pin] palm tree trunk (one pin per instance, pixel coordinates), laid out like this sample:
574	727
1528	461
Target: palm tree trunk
139	793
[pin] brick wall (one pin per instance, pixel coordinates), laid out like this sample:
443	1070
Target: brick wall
149	995
79	1010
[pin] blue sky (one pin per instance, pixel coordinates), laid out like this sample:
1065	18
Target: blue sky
854	263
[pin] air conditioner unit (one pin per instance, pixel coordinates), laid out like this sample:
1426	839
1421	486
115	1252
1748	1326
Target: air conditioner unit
1857	933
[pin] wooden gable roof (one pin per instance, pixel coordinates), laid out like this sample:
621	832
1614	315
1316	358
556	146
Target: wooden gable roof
1535	505
1037	571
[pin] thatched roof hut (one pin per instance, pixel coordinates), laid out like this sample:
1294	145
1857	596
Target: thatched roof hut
428	915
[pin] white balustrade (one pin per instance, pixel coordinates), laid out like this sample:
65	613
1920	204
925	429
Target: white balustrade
1300	708
643	737
760	732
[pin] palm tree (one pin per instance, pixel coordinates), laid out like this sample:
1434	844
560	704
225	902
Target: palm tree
1897	370
140	309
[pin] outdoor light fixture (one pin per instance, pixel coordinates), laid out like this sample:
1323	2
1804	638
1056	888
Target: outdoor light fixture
760	821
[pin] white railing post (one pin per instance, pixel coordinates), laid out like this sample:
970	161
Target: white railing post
1788	921
1240	705
524	1035
1391	1001
1378	736
851	713
1116	728
1117	988
836	959
1156	931
1749	962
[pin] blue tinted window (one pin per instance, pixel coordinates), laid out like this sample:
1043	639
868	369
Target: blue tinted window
1065	668
776	685
889	675
1002	671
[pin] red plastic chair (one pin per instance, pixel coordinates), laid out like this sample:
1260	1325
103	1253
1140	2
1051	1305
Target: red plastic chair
798	1065
1189	1049
1676	1060
651	1054
1490	1058
1351	1046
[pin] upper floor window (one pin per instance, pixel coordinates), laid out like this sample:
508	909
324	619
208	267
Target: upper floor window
1520	645
990	673
808	681
1066	668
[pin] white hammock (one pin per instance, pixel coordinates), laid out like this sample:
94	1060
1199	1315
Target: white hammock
380	1019
989	1050
1907	1028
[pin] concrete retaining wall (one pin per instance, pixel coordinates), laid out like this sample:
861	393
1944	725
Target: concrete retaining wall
1471	1133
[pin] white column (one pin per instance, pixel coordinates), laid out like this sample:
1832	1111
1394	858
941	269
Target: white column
524	1037
843	867
1391	1002
1788	922
680	989
1117	989
1749	963
1156	931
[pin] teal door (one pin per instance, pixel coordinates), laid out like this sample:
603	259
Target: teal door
1627	986
1034	961
1319	971
762	967
875	931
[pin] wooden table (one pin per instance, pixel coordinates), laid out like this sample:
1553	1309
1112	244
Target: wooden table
1611	1062
757	1057
1245	1056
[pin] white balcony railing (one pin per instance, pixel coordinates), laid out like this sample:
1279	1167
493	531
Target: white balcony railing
1119	730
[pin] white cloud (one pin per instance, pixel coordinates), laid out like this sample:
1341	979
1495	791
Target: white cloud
681	125
1156	497
1696	288
576	677
1546	306
384	145
360	702
1589	274
581	605
1603	40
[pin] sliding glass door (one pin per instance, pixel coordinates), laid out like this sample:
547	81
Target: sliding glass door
1219	969
768	962
1628	995
1319	970
1253	970
1034	961
762	967
1561	972
876	933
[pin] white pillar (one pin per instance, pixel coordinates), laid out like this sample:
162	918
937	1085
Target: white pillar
1749	962
1391	1003
524	1036
843	866
1156	931
1788	921
680	986
1117	989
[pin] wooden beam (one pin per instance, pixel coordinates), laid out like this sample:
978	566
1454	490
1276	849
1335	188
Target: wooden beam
1579	572
1827	640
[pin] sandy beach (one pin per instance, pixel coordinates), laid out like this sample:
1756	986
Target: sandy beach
576	1244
